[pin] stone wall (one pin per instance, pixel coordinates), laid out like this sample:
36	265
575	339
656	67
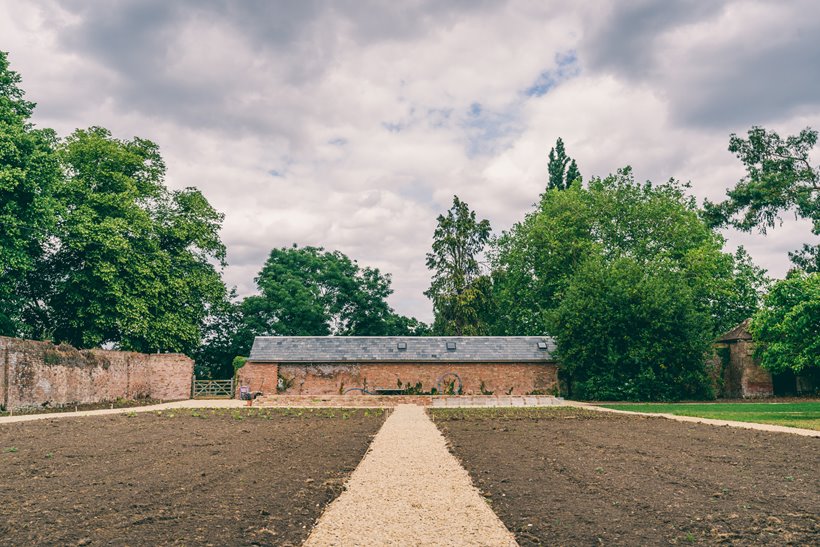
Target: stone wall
42	374
330	379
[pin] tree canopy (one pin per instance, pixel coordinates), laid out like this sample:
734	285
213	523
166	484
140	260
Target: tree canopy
544	283
29	172
787	327
779	178
135	262
628	332
459	291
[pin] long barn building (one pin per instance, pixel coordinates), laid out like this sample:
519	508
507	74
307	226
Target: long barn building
336	365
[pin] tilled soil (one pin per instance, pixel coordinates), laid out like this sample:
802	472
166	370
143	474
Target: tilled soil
569	476
182	477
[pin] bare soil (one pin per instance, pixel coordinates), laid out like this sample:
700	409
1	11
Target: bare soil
178	477
47	409
569	476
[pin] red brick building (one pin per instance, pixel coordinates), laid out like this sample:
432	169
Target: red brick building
743	377
331	365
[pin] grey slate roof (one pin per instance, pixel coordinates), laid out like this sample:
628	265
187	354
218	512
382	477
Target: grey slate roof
382	349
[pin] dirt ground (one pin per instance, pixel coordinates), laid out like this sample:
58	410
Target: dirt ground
575	477
119	403
181	477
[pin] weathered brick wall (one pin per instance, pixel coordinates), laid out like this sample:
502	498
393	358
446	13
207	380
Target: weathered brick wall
40	373
259	377
329	379
742	375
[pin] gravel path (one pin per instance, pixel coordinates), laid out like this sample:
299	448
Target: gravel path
409	490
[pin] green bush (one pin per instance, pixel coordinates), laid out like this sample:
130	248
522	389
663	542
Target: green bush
632	331
238	362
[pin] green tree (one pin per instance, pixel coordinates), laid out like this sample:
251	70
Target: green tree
787	328
626	331
134	262
225	336
563	170
779	178
29	172
657	229
459	291
739	296
307	291
613	217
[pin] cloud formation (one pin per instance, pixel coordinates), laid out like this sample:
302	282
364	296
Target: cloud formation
351	124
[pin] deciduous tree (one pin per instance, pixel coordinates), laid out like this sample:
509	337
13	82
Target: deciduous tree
787	327
29	172
307	291
779	178
135	264
626	331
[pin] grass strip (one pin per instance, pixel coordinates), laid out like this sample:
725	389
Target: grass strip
805	415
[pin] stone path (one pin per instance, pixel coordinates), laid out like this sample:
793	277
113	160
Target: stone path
409	490
191	403
710	421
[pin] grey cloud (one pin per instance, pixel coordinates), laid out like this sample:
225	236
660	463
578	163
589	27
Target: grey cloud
133	39
763	76
624	43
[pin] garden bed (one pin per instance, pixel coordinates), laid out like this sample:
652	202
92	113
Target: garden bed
569	476
178	477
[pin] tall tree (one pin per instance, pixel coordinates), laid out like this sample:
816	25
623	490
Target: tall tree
458	289
779	178
29	172
134	264
563	170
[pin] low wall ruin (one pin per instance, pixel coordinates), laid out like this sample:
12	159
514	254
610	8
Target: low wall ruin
43	374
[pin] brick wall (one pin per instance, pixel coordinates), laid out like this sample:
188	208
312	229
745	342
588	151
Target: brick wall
742	375
329	379
259	377
40	373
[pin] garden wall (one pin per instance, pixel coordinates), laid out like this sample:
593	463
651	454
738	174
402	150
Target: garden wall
335	378
42	374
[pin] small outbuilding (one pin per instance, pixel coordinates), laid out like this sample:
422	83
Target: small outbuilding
743	377
328	365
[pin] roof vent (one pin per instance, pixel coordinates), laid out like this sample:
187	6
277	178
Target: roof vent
402	345
451	346
542	345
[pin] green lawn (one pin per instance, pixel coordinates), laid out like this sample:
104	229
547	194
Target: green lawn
805	415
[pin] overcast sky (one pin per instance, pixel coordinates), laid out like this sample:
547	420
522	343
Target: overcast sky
351	124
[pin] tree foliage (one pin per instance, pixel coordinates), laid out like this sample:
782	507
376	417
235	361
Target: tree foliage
655	229
787	327
779	178
562	169
307	291
29	172
134	262
459	291
628	332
